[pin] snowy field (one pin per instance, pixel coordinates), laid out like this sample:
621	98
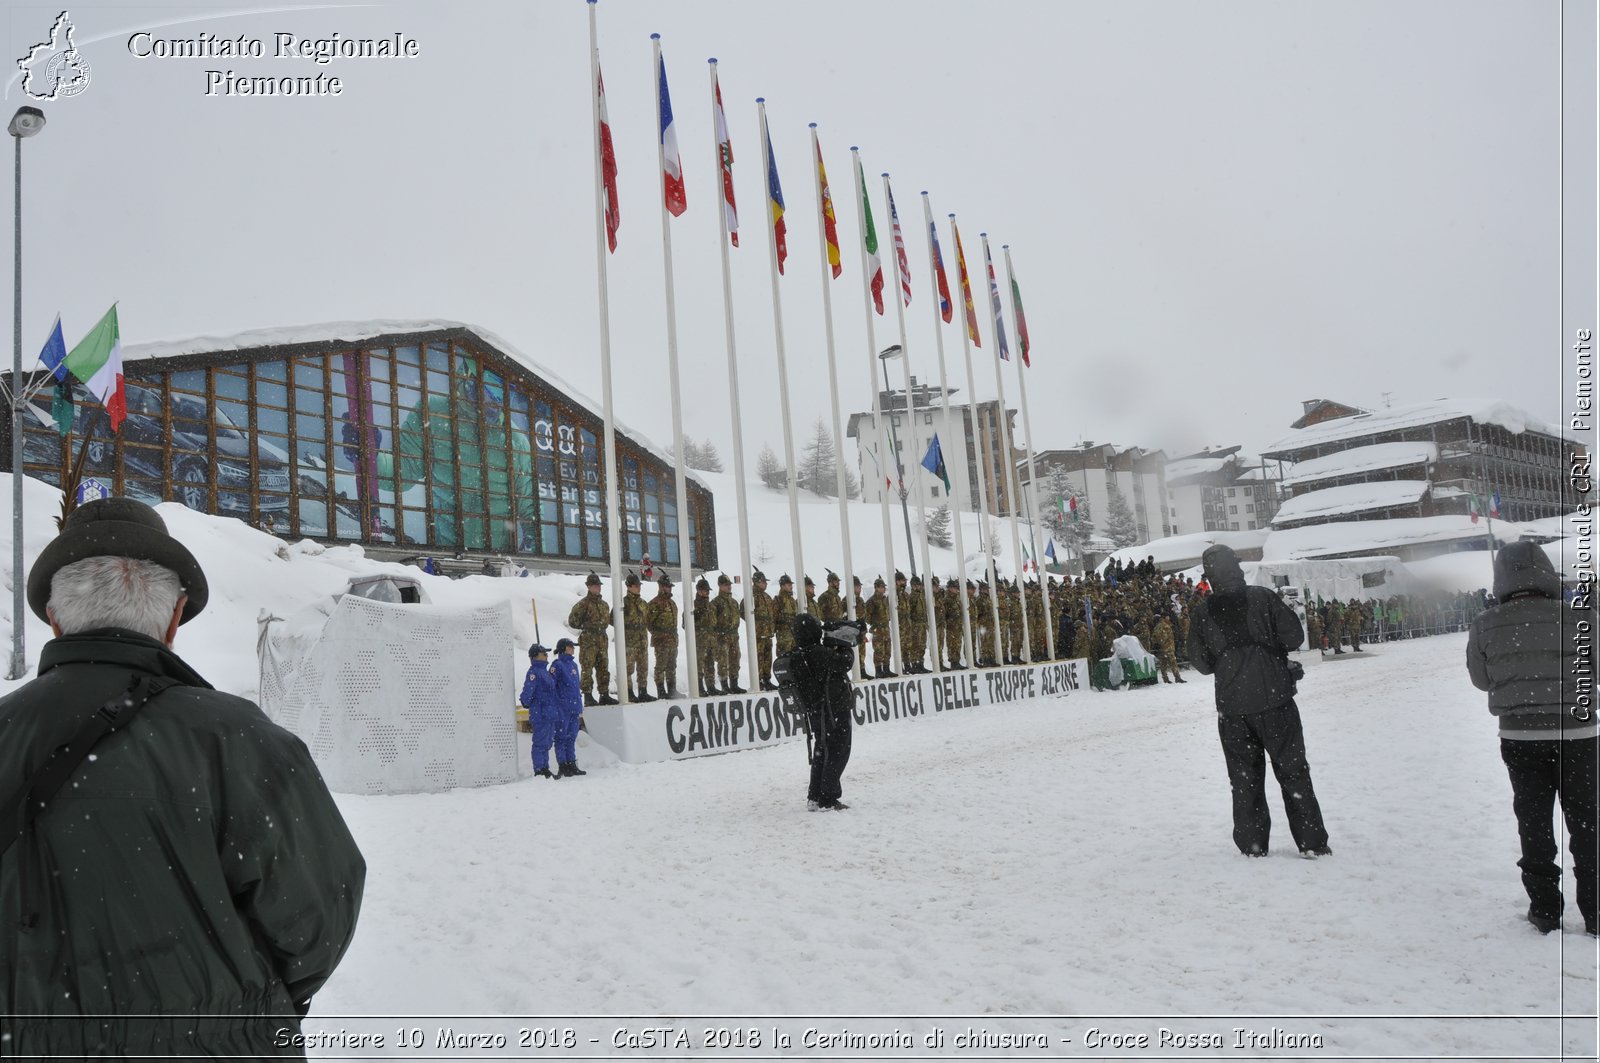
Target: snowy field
1055	858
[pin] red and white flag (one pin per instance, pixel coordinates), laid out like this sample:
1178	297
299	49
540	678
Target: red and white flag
900	249
725	160
608	167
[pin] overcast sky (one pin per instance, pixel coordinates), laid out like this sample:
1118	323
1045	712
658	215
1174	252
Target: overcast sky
1216	210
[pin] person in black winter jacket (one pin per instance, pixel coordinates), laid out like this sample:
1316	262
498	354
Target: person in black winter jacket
1531	653
820	671
1242	636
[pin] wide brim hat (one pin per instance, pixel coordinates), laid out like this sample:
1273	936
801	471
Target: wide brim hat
724	580
117	527
665	580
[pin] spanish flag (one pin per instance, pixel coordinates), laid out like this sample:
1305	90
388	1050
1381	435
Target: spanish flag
830	224
966	285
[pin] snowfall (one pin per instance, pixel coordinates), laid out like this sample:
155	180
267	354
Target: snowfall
1061	867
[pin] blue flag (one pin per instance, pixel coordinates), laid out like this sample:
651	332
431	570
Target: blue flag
54	355
1050	550
933	461
1088	613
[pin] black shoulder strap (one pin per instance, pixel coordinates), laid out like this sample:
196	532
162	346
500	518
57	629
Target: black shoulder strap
32	796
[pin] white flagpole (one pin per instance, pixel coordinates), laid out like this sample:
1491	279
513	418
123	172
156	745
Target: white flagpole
1009	465
968	325
833	371
944	398
783	372
916	439
733	392
685	562
859	175
1033	478
613	505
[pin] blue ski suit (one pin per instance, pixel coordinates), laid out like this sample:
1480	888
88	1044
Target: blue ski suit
539	698
569	707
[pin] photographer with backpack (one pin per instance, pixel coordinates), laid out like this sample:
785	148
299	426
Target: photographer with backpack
816	673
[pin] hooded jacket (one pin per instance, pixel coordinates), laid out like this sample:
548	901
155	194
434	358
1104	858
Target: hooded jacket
1525	651
194	865
1242	635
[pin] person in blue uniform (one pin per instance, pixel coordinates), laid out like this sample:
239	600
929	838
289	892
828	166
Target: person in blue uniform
539	698
569	708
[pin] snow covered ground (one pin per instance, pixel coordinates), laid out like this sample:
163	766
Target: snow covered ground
1059	857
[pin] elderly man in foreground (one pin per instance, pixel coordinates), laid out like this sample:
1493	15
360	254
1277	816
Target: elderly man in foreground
175	879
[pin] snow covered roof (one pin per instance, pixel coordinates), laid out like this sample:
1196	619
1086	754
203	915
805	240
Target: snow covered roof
1178	549
1359	460
1351	498
1178	470
1416	415
1553	527
1376	536
357	332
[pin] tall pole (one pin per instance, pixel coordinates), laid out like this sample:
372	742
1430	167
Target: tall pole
774	219
825	203
18	617
899	468
877	397
613	504
935	270
1007	468
903	285
725	171
969	326
1033	476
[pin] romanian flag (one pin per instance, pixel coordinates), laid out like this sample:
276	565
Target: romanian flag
725	160
966	286
1016	307
870	238
608	168
775	201
671	159
994	303
830	224
945	307
97	361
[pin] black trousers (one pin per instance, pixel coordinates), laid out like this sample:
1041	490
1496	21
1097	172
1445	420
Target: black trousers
830	752
1540	772
1246	743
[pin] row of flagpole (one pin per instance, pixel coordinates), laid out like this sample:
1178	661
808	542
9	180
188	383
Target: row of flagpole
673	204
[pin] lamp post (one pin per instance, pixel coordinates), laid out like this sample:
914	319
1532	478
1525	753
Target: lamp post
899	466
25	123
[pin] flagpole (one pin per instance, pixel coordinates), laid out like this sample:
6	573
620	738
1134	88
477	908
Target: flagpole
1009	466
833	370
783	372
944	399
860	176
977	428
613	507
1033	480
901	286
733	391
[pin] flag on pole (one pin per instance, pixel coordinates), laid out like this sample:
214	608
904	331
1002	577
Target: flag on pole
1050	550
1016	306
995	307
1069	506
775	201
608	168
830	224
933	461
899	249
725	158
1027	559
97	361
1494	505
888	482
54	354
966	288
1472	506
61	406
671	160
945	308
870	238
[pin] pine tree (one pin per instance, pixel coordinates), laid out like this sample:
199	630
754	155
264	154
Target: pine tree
710	460
1070	531
1120	526
938	528
771	470
817	472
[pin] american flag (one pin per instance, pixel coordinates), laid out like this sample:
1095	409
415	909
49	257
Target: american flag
900	250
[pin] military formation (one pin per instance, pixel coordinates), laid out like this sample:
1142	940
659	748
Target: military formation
1008	625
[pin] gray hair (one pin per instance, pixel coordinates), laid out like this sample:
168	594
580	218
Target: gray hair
115	592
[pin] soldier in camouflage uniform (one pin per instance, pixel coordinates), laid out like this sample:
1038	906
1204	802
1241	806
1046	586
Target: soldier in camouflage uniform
861	647
1014	609
950	627
1355	617
590	618
915	658
811	597
726	618
1038	642
1335	623
636	636
876	613
904	607
766	628
1165	647
784	610
1314	625
982	627
830	604
705	642
661	618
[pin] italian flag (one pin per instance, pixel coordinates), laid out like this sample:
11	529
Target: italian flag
1069	506
1472	502
97	361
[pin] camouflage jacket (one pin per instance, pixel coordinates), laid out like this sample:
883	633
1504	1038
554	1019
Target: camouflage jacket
635	615
591	616
661	618
876	612
725	614
766	614
830	605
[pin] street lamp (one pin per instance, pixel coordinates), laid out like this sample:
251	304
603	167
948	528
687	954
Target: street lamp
27	122
899	467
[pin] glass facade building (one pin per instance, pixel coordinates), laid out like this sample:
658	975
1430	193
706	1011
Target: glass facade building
427	442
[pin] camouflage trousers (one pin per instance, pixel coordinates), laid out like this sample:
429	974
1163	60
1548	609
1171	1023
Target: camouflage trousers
637	670
983	639
666	647
785	640
764	657
1168	663
728	657
1014	641
705	644
593	664
882	649
913	645
952	645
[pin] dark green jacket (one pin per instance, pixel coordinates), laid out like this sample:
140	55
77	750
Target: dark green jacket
196	865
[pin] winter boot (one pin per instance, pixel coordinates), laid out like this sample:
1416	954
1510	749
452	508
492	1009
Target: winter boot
661	692
643	695
606	699
1544	924
588	700
544	773
735	688
570	768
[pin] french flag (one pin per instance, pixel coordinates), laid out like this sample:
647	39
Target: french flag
671	161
